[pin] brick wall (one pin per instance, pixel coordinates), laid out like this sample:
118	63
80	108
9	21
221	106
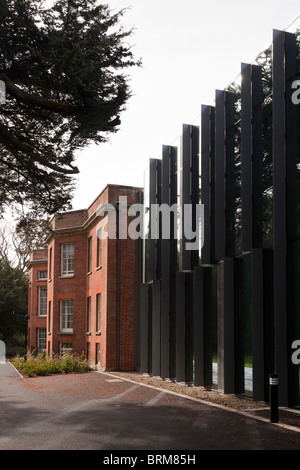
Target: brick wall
37	264
88	282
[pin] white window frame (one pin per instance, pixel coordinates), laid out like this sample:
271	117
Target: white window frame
89	314
99	248
49	315
67	259
42	311
66	310
65	347
97	354
98	312
42	339
50	264
90	253
43	271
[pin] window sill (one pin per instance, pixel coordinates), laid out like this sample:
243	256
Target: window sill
65	333
66	276
98	333
89	273
88	333
98	268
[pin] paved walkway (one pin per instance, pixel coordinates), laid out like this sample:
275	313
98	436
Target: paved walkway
96	411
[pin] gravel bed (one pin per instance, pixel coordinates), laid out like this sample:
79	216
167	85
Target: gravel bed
210	396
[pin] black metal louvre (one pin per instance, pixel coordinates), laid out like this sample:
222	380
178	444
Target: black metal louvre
234	304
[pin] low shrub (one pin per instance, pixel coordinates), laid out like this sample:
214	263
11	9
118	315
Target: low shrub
40	364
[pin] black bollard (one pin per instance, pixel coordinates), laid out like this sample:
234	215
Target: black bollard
273	389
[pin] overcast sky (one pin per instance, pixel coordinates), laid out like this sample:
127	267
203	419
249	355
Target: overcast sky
189	48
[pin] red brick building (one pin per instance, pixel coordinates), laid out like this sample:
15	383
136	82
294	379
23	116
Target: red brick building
91	285
37	299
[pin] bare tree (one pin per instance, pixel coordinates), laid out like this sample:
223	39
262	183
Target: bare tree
18	240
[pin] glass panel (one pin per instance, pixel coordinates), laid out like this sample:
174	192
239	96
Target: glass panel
43	301
247	313
98	312
97	353
212	318
67	315
42	275
65	348
99	248
235	88
243	325
88	314
90	254
265	61
42	339
68	259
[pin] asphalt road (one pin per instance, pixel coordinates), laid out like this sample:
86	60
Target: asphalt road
95	411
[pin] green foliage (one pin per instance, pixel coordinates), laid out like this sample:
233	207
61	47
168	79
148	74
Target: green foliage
63	67
44	365
16	344
13	301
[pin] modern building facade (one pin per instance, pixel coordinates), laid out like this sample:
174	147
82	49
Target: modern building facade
226	315
87	303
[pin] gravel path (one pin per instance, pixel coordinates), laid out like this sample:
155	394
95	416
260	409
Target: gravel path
210	396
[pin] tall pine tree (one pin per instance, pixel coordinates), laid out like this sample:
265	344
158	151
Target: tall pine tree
64	72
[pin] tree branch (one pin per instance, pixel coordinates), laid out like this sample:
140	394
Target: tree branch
15	145
35	101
